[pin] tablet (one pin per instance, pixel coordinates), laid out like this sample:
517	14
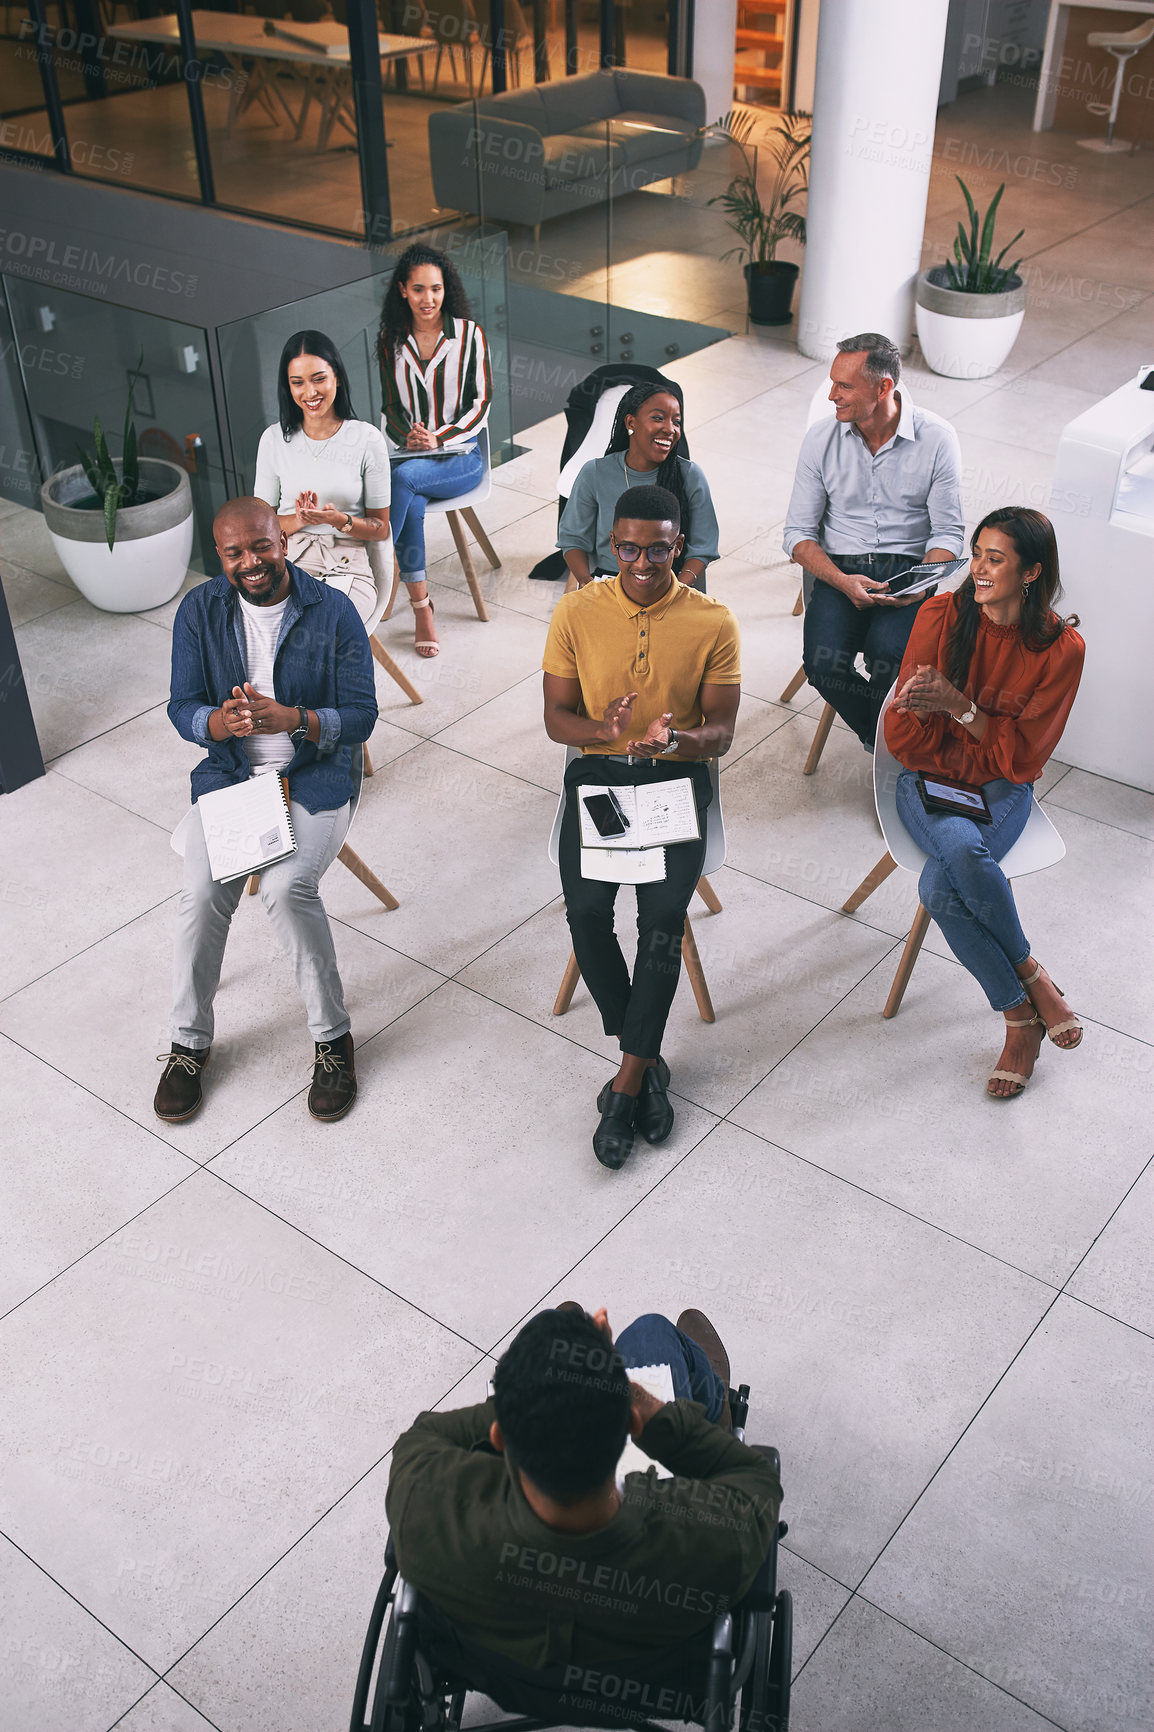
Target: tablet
939	795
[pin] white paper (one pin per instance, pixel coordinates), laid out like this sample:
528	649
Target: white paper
657	814
656	1380
246	827
624	865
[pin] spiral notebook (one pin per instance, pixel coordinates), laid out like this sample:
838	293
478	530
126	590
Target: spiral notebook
247	827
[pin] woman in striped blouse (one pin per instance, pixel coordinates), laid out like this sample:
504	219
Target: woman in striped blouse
436	387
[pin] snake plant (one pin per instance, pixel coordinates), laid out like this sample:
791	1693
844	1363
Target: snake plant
972	271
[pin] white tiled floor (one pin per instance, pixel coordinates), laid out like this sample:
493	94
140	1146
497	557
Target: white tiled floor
943	1305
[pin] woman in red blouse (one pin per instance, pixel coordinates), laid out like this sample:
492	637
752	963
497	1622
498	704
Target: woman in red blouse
988	678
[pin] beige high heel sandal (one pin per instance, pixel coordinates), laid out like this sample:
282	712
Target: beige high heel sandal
1054	1029
1012	1076
426	647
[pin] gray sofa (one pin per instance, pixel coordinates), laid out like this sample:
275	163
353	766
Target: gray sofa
535	153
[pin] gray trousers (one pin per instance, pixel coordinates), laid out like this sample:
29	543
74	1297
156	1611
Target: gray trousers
290	891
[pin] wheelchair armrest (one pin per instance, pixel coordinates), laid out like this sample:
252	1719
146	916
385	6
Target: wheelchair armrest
390	1554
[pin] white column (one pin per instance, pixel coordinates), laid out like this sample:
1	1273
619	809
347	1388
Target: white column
714	45
879	65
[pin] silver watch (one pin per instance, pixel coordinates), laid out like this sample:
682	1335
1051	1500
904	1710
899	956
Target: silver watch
969	715
674	742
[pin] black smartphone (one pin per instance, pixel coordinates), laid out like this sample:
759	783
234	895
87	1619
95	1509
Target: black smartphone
605	811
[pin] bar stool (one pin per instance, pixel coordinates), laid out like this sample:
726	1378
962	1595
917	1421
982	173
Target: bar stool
1123	45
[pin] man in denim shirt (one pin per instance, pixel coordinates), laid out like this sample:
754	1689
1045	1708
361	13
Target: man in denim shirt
272	672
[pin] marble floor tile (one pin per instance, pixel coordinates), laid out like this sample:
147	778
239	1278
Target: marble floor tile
925	1136
1099	363
995	473
871	1672
245	1379
984	1566
29	596
28	543
1109	802
262	1052
817	1602
1121	260
508	734
61	1668
509	587
533	1191
61	1195
462	847
163	1710
65	879
478	659
144	766
1116	1276
1028	413
862	1380
87	671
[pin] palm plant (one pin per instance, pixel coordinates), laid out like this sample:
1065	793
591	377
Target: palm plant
111	489
972	271
763	224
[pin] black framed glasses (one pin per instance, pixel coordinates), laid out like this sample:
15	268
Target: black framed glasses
658	553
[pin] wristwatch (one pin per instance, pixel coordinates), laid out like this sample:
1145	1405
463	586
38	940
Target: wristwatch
674	742
969	715
301	732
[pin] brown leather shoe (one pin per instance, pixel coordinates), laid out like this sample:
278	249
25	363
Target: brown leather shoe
334	1079
697	1326
178	1093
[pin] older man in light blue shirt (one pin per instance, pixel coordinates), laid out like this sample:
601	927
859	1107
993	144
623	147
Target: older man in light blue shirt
878	488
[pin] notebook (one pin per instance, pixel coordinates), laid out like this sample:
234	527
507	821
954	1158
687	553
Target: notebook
658	1381
655	814
247	827
922	577
453	449
624	865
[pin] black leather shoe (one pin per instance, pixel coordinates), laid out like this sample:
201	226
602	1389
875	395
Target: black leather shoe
654	1113
178	1093
697	1326
613	1138
334	1079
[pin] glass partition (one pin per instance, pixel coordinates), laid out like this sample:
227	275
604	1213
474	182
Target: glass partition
79	358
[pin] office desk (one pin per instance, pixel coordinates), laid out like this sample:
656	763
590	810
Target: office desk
324	72
1056	29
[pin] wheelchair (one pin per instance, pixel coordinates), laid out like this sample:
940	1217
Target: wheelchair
734	1675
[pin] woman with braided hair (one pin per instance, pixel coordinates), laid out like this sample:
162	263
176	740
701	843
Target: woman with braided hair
642	453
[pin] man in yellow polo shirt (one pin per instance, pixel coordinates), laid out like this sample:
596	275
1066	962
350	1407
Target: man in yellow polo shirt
643	675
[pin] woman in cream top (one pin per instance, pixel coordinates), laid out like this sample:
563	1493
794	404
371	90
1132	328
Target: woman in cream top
325	473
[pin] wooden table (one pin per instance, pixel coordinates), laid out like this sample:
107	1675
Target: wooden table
323	69
1050	78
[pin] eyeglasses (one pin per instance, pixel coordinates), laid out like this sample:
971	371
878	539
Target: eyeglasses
660	553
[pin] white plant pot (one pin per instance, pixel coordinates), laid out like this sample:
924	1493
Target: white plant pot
148	560
966	336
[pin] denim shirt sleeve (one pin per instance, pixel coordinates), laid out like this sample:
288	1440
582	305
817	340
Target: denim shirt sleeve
200	720
189	704
329	722
355	712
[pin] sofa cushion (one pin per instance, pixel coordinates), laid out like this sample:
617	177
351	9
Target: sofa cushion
640	137
570	158
572	102
523	105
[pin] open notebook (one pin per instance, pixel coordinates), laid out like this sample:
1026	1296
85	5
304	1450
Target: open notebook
658	1381
247	826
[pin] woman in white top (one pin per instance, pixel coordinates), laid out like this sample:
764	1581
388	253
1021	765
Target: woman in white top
325	473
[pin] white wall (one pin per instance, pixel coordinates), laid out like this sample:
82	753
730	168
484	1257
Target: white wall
715	22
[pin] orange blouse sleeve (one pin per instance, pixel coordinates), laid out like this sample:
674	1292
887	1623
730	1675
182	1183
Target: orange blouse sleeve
904	731
1019	746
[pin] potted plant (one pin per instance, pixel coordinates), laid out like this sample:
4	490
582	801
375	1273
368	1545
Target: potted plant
122	528
763	225
969	311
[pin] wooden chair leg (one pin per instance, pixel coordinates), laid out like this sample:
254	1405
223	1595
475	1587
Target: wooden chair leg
793	687
709	895
388	613
799	604
568	986
466	559
914	943
828	717
367	761
869	883
382	655
253	883
481	538
369	879
692	963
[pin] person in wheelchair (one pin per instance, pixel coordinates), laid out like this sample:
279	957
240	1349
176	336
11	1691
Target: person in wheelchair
513	1520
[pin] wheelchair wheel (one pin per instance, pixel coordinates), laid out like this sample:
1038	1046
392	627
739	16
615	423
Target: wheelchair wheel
765	1698
393	1716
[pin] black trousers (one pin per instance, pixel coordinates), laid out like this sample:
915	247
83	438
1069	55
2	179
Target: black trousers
635	1009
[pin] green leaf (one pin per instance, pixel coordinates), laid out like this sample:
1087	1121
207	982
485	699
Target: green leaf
90	471
111	506
103	458
988	225
1007	247
130	468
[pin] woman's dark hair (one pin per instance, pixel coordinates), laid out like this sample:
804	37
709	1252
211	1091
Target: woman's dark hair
671	472
396	319
310	343
561	1394
1033	539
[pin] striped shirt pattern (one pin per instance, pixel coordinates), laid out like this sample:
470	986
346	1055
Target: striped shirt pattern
450	394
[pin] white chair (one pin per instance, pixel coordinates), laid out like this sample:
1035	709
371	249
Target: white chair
714	858
1123	45
383	563
1037	847
454	509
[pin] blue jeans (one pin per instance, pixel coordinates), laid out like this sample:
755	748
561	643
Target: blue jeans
835	631
654	1340
965	890
414	484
